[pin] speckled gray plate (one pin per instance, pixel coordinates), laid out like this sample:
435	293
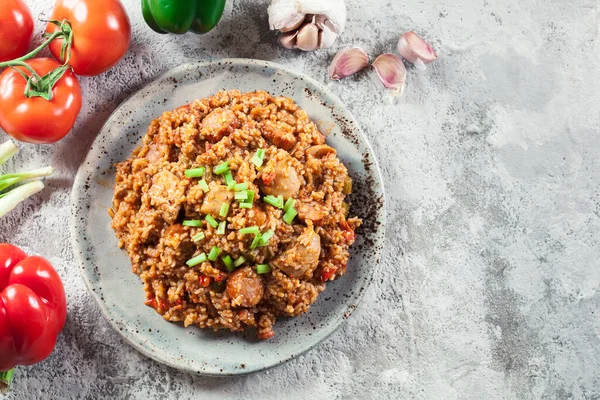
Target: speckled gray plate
107	271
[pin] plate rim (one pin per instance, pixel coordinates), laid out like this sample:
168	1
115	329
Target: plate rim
80	258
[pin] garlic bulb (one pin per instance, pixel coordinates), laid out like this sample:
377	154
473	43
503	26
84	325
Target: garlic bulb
348	62
413	49
391	71
317	23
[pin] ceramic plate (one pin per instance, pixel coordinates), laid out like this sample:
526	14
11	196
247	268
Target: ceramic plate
106	270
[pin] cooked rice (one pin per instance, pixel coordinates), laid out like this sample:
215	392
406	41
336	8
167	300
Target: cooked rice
153	197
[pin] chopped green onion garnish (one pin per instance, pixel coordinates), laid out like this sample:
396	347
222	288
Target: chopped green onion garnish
198	237
264	238
221	228
274	201
263	268
241	186
290	215
195	172
255	242
246	205
203	185
221	168
224	210
196	260
250	230
258	158
228	262
229	181
243	195
250	196
211	221
192	222
214	253
239	261
290	203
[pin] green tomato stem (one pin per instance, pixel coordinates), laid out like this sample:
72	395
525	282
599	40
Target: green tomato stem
42	86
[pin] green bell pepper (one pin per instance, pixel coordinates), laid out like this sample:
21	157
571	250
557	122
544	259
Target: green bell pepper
181	16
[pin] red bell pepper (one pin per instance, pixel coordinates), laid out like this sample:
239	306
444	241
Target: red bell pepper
33	308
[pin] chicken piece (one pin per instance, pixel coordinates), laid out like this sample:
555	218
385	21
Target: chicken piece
245	288
279	133
312	211
214	199
165	195
302	258
219	124
177	238
280	177
153	155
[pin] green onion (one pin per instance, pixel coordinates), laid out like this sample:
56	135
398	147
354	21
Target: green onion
255	242
290	215
250	196
250	230
263	268
198	237
221	228
221	168
239	261
10	179
243	195
195	172
7	150
290	203
258	158
241	186
211	221
228	263
192	222
224	210
274	201
264	238
203	185
10	200
214	253
229	181
196	260
246	205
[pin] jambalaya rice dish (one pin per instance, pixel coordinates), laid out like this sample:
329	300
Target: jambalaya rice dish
233	212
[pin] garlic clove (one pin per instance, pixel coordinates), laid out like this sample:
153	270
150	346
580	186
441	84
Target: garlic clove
308	37
391	71
412	48
326	37
320	21
348	62
291	23
288	40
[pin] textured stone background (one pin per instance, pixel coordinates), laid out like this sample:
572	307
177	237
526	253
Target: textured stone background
489	284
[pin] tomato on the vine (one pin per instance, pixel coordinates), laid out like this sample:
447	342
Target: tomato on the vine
101	34
16	28
35	119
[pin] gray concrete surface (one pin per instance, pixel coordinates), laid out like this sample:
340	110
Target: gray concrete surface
489	287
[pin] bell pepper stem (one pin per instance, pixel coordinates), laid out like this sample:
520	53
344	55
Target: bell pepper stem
6	378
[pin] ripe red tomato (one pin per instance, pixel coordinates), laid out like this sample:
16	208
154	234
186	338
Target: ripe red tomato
16	28
101	34
36	120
